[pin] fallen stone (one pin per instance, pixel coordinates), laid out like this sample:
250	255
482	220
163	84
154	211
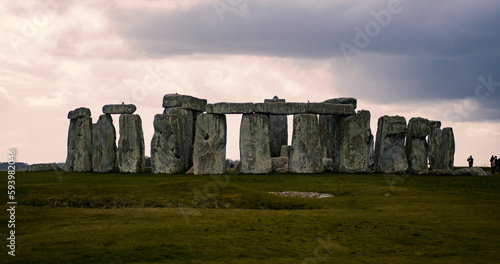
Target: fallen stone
278	133
44	167
355	152
209	155
280	164
303	194
330	109
230	108
131	144
255	153
343	100
79	113
304	154
416	145
79	156
474	171
104	145
167	150
184	101
441	172
119	109
390	156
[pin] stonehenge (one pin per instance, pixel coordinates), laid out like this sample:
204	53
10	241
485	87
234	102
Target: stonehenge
190	136
390	155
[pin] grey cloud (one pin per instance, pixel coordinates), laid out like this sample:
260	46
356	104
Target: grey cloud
430	50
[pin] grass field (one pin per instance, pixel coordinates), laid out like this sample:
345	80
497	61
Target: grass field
146	218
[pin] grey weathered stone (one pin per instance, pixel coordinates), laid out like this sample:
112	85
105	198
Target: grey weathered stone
305	155
285	151
278	133
330	109
255	153
103	145
390	156
184	101
187	120
448	147
79	156
274	100
355	152
230	108
279	164
441	149
167	145
44	167
119	109
329	126
79	113
209	155
433	143
474	171
328	164
131	144
343	100
281	108
416	145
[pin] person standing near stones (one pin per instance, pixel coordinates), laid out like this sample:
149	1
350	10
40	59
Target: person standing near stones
493	162
497	163
471	161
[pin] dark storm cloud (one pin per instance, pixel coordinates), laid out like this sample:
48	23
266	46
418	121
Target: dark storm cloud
415	50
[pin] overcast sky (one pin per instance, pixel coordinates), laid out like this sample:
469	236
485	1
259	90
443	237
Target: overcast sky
434	59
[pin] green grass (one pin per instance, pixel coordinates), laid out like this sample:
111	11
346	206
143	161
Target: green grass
146	218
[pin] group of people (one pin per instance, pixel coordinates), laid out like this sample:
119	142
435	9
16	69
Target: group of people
495	164
494	161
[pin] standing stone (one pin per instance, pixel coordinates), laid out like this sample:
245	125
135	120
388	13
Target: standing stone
186	119
278	129
416	145
390	156
104	145
131	144
285	151
278	133
306	155
448	147
255	154
356	144
209	153
167	145
79	156
433	145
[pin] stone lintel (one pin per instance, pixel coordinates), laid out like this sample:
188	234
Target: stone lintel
231	108
119	109
184	101
78	113
279	108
